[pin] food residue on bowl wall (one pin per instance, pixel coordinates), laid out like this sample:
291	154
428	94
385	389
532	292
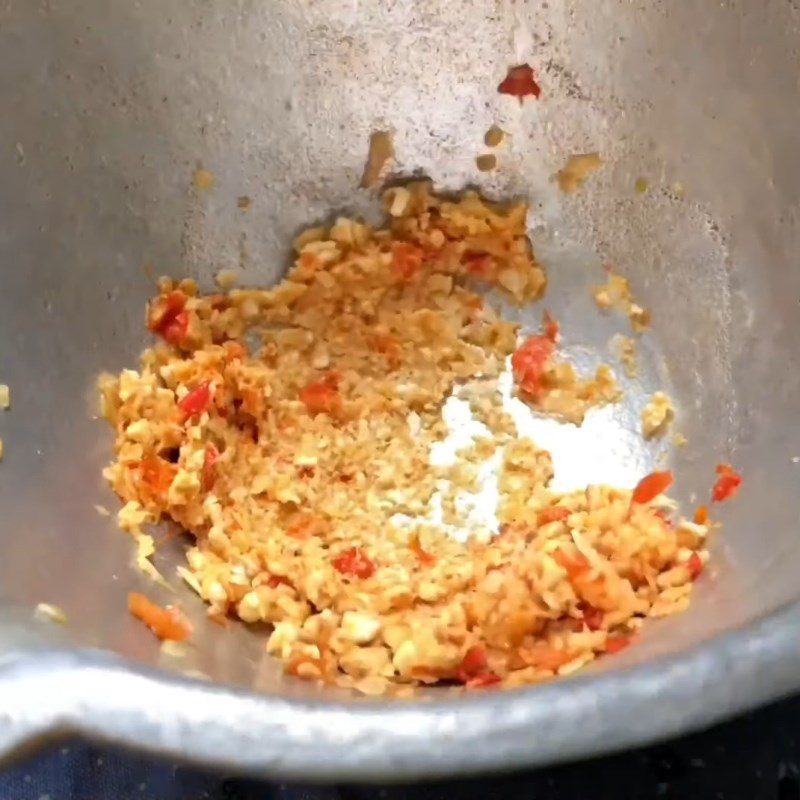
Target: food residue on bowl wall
577	171
379	158
657	416
203	179
486	162
494	136
616	295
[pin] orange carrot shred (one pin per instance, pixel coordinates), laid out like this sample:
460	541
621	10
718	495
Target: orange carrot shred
166	623
552	514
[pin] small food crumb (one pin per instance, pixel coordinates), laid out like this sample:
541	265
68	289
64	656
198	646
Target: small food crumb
627	351
102	510
2	449
381	154
173	649
679	440
657	415
145	550
244	202
52	613
226	279
520	82
486	162
641	185
494	136
203	179
196	674
616	295
5	396
639	318
577	170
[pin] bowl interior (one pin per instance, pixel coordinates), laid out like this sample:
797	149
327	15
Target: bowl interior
110	107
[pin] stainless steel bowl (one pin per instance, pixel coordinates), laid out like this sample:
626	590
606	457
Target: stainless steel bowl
108	108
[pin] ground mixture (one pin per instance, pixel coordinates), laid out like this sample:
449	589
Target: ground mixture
290	432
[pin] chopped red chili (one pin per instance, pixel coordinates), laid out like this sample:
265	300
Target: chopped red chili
474	669
651	486
354	561
406	259
168	318
552	514
616	643
727	484
593	617
479	264
575	565
322	396
695	565
520	82
210	467
157	474
530	361
483	680
196	401
665	518
425	558
473	663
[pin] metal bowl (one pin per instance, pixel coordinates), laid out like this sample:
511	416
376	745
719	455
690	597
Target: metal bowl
109	107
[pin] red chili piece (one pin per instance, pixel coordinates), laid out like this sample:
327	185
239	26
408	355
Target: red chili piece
168	318
474	669
486	679
520	82
530	361
210	467
406	259
695	565
196	401
593	617
552	514
651	486
354	562
616	643
322	396
727	484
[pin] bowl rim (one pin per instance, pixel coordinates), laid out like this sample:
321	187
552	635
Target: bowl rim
47	693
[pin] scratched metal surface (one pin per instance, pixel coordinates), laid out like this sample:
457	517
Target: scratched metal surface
107	109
